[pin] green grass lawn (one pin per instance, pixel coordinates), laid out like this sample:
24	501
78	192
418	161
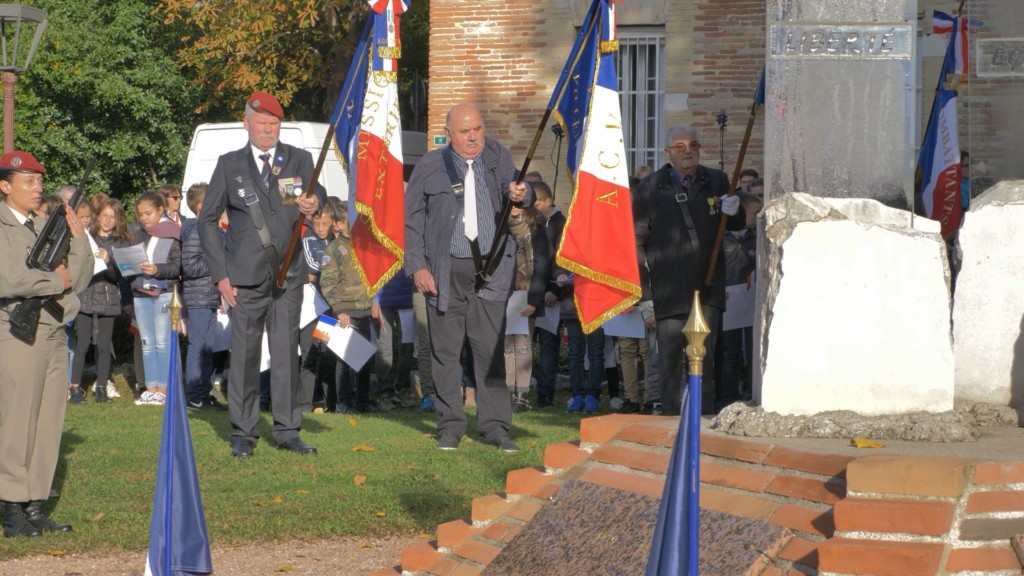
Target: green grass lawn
376	474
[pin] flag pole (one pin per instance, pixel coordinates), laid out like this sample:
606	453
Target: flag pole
282	274
717	248
484	276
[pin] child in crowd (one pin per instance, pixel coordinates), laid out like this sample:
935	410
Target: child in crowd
532	270
101	300
347	297
394	357
50	201
201	299
152	292
316	359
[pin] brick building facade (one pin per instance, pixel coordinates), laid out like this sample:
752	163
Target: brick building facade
708	54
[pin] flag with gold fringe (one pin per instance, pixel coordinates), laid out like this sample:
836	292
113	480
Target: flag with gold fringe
598	243
368	134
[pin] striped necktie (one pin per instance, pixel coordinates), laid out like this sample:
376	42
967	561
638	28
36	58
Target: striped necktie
265	171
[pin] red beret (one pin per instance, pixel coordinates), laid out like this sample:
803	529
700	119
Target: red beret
19	161
265	103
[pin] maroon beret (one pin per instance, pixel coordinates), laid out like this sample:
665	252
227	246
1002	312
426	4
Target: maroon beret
265	103
19	161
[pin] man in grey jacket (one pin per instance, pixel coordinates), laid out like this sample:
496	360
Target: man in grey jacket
442	225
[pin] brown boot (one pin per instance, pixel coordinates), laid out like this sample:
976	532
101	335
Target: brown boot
34	515
15	522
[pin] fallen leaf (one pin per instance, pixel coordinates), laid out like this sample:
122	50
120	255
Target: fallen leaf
367	545
302	491
98	517
276	500
865	443
380	514
359	480
426	536
352	422
363	448
285	569
56	552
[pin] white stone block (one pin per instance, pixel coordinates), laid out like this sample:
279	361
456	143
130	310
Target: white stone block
988	310
857	306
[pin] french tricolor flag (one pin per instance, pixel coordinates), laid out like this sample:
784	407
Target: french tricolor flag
939	163
598	243
324	326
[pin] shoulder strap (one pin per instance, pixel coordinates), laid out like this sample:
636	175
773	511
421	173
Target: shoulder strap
682	200
458	187
252	201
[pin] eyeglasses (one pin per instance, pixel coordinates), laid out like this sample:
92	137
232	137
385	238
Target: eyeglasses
683	147
172	197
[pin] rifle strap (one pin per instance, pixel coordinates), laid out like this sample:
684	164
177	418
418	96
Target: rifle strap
252	200
459	189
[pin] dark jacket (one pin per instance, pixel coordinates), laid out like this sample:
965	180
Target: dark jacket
540	266
430	212
553	226
675	267
103	295
397	292
198	288
241	257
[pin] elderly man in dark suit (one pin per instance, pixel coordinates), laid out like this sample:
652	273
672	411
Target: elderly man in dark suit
261	186
452	205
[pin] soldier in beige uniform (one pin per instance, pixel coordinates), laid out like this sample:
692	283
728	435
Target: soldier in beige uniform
33	389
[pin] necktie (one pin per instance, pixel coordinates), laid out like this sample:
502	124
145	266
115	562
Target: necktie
687	180
31	226
265	171
469	218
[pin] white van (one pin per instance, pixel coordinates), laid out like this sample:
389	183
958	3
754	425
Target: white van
210	141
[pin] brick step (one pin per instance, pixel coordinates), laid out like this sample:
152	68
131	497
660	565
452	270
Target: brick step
419	556
879	558
820	490
451	534
917	517
802	520
526	481
985	559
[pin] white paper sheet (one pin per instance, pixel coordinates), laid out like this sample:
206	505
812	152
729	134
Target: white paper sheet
313	305
515	322
739	306
220	337
352	348
549	321
626	325
408	321
98	264
130	259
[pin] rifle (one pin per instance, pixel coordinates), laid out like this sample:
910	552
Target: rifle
47	253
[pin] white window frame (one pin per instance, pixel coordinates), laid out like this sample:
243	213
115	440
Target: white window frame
642	93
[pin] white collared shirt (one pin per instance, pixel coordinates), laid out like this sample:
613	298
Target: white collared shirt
256	152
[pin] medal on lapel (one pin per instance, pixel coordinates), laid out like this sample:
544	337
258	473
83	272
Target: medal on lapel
712	206
289	188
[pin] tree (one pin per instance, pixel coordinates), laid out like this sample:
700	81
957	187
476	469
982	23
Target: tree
103	83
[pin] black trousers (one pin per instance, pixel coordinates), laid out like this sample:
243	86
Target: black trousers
482	324
259	309
101	334
672	360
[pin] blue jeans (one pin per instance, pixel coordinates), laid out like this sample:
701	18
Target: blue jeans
593	343
199	360
153	316
548	345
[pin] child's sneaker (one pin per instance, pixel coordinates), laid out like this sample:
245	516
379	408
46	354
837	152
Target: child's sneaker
616	403
520	403
590	404
427	404
112	390
575	405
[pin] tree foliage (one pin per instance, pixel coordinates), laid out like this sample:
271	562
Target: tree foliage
103	83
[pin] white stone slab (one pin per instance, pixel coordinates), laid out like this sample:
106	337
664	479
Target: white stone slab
857	311
988	313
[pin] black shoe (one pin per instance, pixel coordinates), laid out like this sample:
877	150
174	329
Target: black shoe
15	522
34	515
297	445
242	447
448	442
75	395
208	403
630	407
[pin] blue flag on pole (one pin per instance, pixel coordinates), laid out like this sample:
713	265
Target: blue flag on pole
348	112
674	551
759	93
178	542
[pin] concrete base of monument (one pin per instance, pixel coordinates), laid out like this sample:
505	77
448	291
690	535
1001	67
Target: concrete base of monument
962	424
855	310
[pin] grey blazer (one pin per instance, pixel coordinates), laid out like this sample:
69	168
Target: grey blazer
430	212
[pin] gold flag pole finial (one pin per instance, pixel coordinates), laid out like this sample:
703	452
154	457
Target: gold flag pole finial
175	308
696	331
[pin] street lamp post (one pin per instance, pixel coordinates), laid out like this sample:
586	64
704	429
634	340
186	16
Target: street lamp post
13	57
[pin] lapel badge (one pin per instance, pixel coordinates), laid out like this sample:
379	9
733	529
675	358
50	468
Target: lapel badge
238	179
241	192
275	170
711	207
